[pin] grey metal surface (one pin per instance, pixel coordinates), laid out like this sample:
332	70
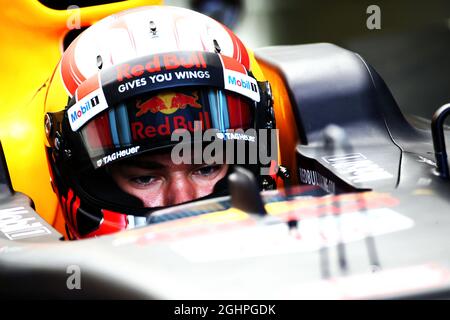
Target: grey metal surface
333	252
19	222
153	263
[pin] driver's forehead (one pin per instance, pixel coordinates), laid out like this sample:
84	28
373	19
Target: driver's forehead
152	161
168	160
160	162
163	158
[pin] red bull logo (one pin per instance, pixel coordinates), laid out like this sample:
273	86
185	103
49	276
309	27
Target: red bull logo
142	131
158	63
167	103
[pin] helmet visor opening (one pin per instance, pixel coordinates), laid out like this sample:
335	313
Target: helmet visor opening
147	122
131	144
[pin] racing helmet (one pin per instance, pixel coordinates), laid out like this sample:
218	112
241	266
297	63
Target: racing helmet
124	86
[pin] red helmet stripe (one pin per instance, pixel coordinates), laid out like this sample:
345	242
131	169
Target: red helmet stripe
88	86
74	205
232	64
71	76
68	206
64	207
239	51
112	222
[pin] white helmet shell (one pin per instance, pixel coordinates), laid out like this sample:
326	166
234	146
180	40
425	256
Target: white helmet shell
143	31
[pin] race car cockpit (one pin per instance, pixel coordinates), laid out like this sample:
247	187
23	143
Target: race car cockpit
341	214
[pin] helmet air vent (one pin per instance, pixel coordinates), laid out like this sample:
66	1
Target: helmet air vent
216	46
153	28
99	62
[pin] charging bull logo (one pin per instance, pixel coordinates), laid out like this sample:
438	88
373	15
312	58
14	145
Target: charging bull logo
164	120
167	103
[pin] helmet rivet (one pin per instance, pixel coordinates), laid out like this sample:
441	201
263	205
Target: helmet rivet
48	125
216	46
153	28
68	153
57	143
269	125
99	62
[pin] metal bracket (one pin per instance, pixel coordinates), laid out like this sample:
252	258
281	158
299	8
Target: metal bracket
437	131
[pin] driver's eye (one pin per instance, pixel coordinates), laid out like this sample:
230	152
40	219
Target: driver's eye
143	180
207	170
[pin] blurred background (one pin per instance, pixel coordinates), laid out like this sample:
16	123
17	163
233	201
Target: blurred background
411	51
411	48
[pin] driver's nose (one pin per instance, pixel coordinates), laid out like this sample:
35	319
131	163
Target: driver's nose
179	189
